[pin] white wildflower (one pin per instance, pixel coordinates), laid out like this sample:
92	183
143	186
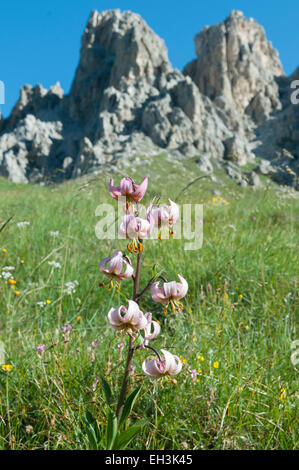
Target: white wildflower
23	224
54	234
54	264
6	275
70	287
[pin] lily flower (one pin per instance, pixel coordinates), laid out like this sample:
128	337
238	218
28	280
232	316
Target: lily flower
135	227
151	330
116	267
165	215
156	368
170	291
127	188
127	319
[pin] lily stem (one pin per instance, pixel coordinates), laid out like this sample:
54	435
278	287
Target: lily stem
124	386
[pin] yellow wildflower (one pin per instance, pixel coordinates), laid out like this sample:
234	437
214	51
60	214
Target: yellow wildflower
216	365
4	250
11	281
7	367
17	292
282	394
79	318
48	302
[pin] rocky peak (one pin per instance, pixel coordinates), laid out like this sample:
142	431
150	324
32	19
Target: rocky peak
237	63
118	49
127	100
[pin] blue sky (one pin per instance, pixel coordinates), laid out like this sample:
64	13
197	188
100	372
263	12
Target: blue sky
40	41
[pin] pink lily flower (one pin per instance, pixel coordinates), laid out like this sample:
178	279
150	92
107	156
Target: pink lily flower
127	319
116	267
135	227
127	188
171	365
170	291
165	215
151	330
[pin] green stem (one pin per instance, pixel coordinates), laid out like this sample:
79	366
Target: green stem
124	386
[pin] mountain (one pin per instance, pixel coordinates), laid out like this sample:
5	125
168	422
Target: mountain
228	106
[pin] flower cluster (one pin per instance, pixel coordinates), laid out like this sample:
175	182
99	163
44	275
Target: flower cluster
130	319
134	227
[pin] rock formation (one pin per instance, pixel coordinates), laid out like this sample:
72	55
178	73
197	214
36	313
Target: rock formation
126	99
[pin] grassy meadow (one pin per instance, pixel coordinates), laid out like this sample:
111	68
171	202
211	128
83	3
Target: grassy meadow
236	329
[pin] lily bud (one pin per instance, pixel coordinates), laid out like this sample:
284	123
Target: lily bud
151	330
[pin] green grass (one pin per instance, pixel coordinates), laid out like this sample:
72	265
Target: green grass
240	311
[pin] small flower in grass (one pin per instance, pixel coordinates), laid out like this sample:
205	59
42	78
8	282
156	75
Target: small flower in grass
55	264
170	292
54	234
70	287
91	350
200	358
66	331
23	224
22	261
226	295
11	282
216	365
6	272
282	394
120	346
246	327
40	349
95	383
240	296
129	319
193	339
4	250
193	374
29	429
156	368
253	218
17	292
133	368
79	318
117	267
7	367
48	302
